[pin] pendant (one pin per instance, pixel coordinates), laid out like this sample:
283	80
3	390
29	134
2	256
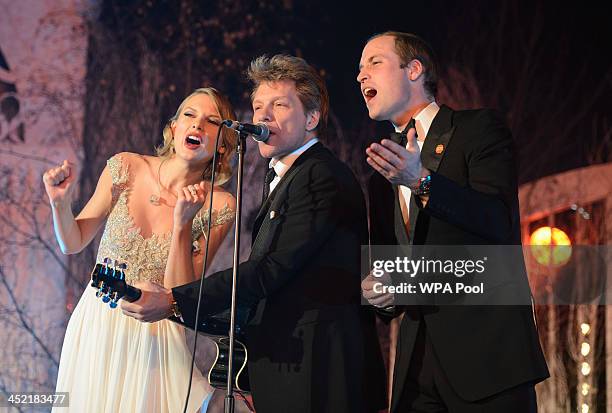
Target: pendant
154	199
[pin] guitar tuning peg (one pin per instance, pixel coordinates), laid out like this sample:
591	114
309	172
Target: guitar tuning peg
114	298
113	303
101	288
106	298
123	266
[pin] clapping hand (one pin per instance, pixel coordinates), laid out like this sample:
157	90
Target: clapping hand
399	165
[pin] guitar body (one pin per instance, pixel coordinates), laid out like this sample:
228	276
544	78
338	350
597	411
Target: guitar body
217	377
109	281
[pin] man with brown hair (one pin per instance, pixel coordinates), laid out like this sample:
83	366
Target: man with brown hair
309	340
451	181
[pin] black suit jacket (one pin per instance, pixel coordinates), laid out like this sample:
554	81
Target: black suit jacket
473	201
310	341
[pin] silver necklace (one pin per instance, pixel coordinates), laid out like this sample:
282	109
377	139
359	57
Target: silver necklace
155	199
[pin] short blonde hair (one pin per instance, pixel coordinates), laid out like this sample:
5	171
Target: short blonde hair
228	137
309	85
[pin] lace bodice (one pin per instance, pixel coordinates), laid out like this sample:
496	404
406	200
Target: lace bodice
122	240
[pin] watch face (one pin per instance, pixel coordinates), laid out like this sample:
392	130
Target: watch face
424	185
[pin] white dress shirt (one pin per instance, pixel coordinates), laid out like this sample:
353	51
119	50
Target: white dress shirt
282	165
422	122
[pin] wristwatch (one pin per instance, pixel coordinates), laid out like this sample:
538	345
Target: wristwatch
424	186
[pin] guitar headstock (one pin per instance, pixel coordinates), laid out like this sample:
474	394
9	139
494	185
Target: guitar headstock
109	279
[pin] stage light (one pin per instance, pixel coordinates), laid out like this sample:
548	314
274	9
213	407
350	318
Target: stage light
585	368
550	246
585	328
585	408
585	349
585	389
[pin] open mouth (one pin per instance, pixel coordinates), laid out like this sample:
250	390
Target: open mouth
193	141
369	93
272	132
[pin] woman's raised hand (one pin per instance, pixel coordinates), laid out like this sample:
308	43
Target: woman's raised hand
60	183
190	200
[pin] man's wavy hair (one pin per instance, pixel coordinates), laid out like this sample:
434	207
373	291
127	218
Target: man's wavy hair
309	84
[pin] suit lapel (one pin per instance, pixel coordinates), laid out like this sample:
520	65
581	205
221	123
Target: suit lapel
400	227
263	210
436	142
265	207
413	214
434	149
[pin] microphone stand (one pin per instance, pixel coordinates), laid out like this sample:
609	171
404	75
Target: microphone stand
229	402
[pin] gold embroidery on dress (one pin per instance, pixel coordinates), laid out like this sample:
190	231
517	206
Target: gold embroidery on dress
122	240
200	223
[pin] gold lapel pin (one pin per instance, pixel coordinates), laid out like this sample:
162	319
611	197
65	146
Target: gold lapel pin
439	149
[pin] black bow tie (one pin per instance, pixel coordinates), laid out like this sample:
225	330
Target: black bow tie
402	137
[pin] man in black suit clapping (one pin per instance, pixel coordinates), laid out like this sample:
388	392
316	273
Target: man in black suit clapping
453	182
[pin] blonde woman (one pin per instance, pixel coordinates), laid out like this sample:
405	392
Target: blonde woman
154	210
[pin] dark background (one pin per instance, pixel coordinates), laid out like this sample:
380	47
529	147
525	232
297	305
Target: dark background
545	66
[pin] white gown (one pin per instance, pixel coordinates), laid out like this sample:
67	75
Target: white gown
114	363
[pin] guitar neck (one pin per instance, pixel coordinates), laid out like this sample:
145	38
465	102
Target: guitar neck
131	293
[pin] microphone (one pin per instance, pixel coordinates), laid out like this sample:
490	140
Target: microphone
259	132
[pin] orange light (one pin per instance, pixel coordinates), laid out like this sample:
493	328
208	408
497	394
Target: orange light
550	246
